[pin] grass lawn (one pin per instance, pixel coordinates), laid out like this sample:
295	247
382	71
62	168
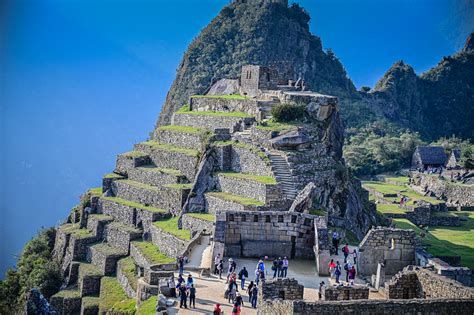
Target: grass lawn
236	198
390	208
171	226
225	97
134	154
413	196
202	216
318	212
113	299
127	266
183	129
108	250
75	230
152	253
95	191
171	148
449	241
147	307
134	204
268	180
384	188
88	270
399	179
112	175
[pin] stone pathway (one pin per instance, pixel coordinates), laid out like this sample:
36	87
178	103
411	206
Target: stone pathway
200	254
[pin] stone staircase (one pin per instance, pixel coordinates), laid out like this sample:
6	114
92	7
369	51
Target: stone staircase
283	175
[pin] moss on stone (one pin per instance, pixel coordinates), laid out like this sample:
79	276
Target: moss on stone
181	129
113	298
134	204
202	216
108	250
171	226
128	268
214	114
123	227
271	125
171	148
243	145
318	212
100	217
95	191
112	175
89	270
75	293
90	301
147	307
134	154
75	230
236	198
268	180
152	253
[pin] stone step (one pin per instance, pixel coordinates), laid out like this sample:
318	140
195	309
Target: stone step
156	176
97	222
66	301
210	121
171	157
120	235
88	281
170	197
129	212
261	188
90	305
229	202
181	136
105	257
129	160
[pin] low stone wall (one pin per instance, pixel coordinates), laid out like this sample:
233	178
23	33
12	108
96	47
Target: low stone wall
181	139
196	225
216	104
280	288
211	122
169	244
404	285
155	277
66	304
245	161
97	225
124	283
342	293
214	204
126	161
106	263
152	176
436	286
268	233
248	188
125	214
107	181
120	236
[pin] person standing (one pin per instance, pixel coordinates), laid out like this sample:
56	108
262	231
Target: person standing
275	268
347	268
232	290
243	274
230	269
249	291
257	275
322	285
181	265
346	251
183	296
285	267
172	287
332	267
352	275
354	255
217	260
236	309
254	296
192	296
239	300
280	267
220	268
337	272
335	241
190	281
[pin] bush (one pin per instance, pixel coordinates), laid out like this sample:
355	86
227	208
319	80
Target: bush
288	112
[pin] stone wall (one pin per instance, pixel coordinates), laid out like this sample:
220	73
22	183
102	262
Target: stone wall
321	246
120	236
211	122
127	161
217	104
169	244
197	225
437	286
65	304
404	285
125	214
342	293
189	140
245	161
214	204
124	282
280	288
239	186
154	177
395	248
270	233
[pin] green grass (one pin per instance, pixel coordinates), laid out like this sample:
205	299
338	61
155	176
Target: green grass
268	180
390	208
182	129
134	204
90	301
171	148
243	145
112	175
108	250
202	216
127	266
318	212
399	179
95	191
100	217
448	241
186	110
169	171
386	189
69	293
152	253
147	307
179	186
75	230
225	97
123	227
113	298
171	226
271	125
236	198
89	270
134	154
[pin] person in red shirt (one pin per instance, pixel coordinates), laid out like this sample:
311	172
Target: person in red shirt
217	309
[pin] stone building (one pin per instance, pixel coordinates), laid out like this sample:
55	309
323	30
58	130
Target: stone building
454	160
428	156
255	79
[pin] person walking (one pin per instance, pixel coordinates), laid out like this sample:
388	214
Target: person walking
352	275
230	269
181	265
249	291
236	309
322	285
254	296
346	251
257	275
217	260
232	290
275	268
220	268
335	241
280	267
183	296
217	309
192	296
332	267
337	272
261	265
285	267
354	255
239	300
347	268
243	274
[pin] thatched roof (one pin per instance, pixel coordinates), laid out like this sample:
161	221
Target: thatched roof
456	153
432	155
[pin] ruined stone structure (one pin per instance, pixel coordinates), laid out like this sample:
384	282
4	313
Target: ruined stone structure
428	156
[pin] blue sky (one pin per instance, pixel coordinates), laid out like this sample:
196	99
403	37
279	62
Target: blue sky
81	81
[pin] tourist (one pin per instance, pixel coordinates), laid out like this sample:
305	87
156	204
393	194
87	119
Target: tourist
254	296
257	275
217	309
243	274
261	265
332	267
172	287
180	280
249	291
352	275
275	268
183	296
347	268
181	265
192	296
322	285
337	272
346	252
354	255
262	275
220	267
232	288
335	241
217	260
280	266
285	267
190	281
230	269
236	309
239	300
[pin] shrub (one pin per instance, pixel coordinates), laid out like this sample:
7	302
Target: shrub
288	112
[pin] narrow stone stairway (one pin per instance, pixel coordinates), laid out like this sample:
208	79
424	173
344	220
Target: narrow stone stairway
283	175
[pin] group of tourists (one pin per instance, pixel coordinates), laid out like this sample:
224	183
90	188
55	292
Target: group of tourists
280	267
185	288
335	268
